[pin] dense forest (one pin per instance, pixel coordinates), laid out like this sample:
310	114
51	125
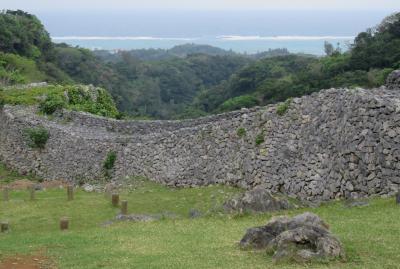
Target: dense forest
193	80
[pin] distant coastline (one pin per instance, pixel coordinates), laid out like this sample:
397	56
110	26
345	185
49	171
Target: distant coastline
310	44
222	37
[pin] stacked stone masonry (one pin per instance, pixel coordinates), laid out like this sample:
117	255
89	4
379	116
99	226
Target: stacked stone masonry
331	144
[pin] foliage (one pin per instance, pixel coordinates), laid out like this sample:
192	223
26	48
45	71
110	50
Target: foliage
372	57
190	112
379	47
241	132
283	107
238	103
15	69
23	34
260	138
79	97
193	80
37	137
2	99
51	104
110	160
93	100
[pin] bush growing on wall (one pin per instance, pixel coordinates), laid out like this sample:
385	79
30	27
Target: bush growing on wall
283	107
110	160
241	132
51	104
2	101
260	139
37	137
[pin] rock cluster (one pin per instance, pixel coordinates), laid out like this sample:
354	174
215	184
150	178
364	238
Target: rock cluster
257	200
393	80
302	238
146	217
333	144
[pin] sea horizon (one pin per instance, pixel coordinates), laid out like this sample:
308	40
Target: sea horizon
240	31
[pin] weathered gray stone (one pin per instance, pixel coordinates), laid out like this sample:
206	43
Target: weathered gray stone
194	213
88	188
393	80
256	238
256	200
302	238
138	217
328	145
145	217
356	203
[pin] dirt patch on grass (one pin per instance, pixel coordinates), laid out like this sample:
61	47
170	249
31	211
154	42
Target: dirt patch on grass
27	262
23	184
54	184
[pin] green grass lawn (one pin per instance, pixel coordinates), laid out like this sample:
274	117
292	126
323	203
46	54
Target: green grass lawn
371	235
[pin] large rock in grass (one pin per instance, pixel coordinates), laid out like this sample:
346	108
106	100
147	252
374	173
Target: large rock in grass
393	80
257	200
302	238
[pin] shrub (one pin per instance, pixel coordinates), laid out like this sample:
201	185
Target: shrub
51	104
239	102
241	132
110	160
2	100
283	107
37	137
260	138
93	100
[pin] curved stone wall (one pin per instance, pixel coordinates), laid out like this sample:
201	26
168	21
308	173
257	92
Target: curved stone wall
331	144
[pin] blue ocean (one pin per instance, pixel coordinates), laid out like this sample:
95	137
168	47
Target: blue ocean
240	31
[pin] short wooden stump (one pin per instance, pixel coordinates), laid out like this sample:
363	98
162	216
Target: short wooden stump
70	192
124	207
64	224
4	226
115	199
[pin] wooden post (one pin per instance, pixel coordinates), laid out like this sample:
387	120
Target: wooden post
398	198
115	199
124	207
64	224
32	192
4	226
6	191
70	192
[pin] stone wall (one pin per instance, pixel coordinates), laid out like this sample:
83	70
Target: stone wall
335	143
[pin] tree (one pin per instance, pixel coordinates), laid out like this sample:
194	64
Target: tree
329	49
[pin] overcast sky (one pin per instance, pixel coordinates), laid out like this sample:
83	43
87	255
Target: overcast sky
42	5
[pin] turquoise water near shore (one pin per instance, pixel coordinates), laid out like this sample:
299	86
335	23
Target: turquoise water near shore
242	44
242	31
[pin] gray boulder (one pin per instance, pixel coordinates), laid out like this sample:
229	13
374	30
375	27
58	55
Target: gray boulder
138	217
260	237
302	238
256	200
88	188
398	198
146	217
393	80
356	203
194	213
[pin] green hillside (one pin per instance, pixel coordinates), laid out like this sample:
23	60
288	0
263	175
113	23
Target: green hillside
193	80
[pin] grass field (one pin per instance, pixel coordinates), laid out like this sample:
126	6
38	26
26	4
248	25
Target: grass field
371	235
